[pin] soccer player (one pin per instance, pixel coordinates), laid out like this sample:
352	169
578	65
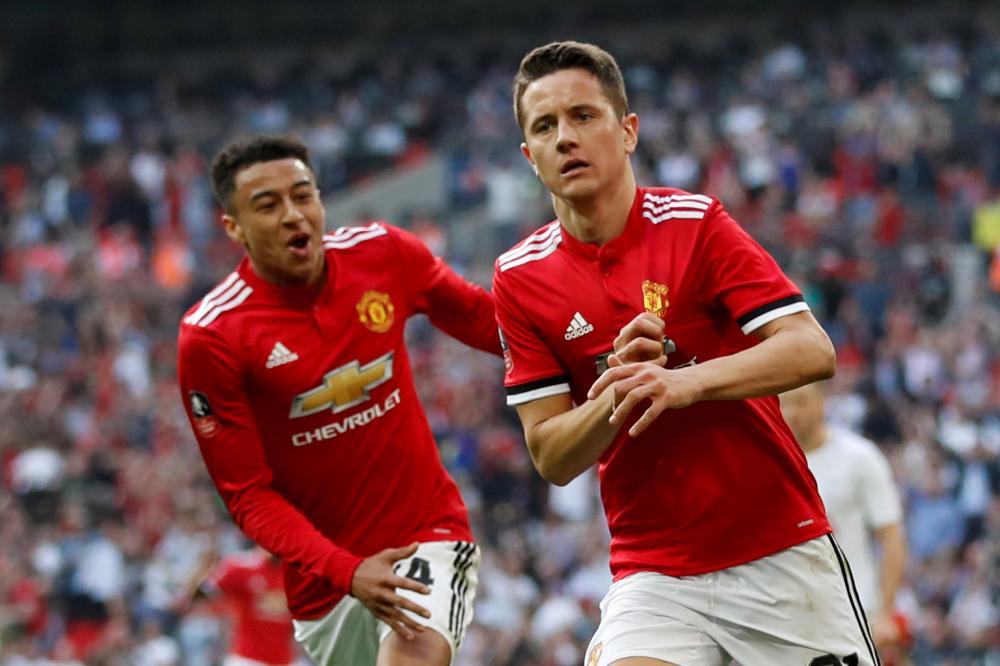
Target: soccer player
720	545
251	584
855	482
298	386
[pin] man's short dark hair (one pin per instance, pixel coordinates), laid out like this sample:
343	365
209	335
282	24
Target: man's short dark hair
243	153
556	56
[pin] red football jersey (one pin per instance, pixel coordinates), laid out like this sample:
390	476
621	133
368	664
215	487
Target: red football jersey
252	584
303	404
705	487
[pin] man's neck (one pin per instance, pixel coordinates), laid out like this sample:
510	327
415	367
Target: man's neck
814	440
600	218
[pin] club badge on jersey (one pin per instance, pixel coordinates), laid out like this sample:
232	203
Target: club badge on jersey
654	298
376	312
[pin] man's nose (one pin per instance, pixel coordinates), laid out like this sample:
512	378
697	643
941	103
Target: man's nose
566	136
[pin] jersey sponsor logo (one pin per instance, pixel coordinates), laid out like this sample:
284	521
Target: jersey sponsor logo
654	298
280	355
578	327
376	312
805	523
343	388
204	418
348	423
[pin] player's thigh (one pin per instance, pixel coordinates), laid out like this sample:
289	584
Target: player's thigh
642	624
450	569
348	634
428	648
794	608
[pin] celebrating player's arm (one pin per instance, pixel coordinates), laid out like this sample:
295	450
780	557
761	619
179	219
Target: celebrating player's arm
793	350
460	308
230	443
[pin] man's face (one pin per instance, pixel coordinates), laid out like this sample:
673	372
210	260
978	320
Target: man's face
277	214
572	135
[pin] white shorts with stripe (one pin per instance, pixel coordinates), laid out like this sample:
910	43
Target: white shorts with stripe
350	635
798	607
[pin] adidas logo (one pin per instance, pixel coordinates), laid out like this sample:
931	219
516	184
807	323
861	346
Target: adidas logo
280	355
578	327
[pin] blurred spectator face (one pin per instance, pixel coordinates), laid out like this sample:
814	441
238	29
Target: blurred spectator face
277	215
573	136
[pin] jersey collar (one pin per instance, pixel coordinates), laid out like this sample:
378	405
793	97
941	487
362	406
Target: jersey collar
292	296
630	235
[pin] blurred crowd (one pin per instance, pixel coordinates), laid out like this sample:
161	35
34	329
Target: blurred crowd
866	157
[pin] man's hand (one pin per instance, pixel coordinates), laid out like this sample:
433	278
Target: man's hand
635	382
640	340
375	586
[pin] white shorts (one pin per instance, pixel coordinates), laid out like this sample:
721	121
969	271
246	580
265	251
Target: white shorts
798	607
349	635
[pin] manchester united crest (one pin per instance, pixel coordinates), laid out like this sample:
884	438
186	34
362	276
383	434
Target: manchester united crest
595	655
375	310
654	298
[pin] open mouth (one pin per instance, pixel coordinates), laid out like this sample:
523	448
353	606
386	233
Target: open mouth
572	166
299	242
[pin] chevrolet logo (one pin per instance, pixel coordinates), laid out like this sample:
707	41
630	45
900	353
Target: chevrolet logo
343	388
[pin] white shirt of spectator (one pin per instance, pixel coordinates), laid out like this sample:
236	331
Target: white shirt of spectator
856	485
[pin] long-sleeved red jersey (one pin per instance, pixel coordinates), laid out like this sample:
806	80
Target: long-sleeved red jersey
303	404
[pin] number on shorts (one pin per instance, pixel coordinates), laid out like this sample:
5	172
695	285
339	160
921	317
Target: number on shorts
420	571
830	660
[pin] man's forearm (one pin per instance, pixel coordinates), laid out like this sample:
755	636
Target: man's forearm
565	445
787	359
892	563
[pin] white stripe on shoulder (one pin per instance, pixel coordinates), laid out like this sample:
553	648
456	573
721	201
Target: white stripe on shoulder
226	307
655	198
771	315
343	233
659	209
531	252
540	236
674	215
373	230
537	394
534	256
221	293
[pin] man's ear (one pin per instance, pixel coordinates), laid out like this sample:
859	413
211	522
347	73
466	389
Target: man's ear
527	156
630	124
233	229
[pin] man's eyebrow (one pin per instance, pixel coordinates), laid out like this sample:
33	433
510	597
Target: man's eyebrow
265	193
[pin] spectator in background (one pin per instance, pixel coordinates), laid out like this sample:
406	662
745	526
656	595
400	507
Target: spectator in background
250	587
861	501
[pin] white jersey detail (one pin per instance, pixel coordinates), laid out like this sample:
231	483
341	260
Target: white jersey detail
230	293
225	307
280	355
659	209
537	246
578	327
346	237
